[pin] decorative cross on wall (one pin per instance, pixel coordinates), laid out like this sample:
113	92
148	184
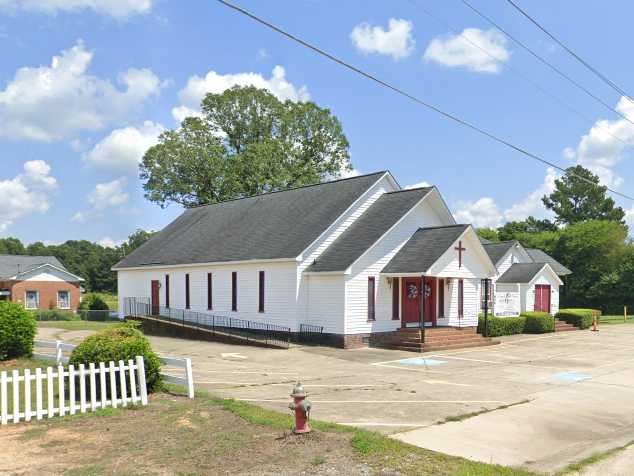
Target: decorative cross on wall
460	249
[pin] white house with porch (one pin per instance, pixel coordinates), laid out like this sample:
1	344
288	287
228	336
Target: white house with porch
525	279
360	257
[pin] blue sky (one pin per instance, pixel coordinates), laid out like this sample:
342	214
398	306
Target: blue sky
86	86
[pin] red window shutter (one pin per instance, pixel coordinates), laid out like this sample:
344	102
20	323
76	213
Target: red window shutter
460	298
261	293
371	303
210	291
396	293
234	291
167	290
441	298
187	291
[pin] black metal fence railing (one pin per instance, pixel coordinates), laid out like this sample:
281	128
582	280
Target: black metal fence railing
269	334
310	334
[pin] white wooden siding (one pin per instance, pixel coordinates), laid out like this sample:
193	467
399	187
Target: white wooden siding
47	274
279	290
371	264
335	230
325	304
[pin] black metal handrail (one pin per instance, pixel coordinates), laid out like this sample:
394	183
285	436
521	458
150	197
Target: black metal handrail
309	333
269	334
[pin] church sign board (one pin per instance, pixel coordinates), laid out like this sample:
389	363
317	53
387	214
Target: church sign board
507	304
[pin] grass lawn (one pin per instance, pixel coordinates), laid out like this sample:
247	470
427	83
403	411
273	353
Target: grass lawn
616	320
209	435
77	325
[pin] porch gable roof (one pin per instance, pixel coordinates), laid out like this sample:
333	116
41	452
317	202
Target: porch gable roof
524	273
423	249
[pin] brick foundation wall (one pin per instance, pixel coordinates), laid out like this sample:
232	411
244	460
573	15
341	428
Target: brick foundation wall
48	292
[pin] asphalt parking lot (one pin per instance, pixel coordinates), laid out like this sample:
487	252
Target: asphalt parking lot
572	393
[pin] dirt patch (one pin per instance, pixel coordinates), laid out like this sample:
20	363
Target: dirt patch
172	433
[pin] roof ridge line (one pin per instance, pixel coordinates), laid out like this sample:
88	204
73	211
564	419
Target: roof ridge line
444	226
381	172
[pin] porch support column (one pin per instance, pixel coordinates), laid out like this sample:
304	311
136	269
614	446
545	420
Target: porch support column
422	308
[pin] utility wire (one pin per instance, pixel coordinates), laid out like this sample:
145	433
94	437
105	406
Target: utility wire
519	73
572	53
412	97
547	63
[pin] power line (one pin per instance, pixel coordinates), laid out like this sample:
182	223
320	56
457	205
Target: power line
519	73
411	96
547	63
572	53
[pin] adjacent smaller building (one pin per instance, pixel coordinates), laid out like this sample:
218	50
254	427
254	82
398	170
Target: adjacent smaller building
38	282
527	279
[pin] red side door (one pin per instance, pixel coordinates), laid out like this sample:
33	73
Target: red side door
155	298
411	301
542	298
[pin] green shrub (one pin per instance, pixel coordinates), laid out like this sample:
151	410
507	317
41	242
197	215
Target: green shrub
119	342
538	322
582	318
17	331
502	326
55	315
93	302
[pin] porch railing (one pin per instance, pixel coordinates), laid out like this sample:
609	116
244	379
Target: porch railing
251	331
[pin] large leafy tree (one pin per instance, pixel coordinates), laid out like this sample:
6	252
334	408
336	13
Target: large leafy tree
575	200
246	142
513	230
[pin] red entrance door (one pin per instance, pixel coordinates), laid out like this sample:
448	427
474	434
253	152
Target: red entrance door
430	300
155	298
542	298
411	300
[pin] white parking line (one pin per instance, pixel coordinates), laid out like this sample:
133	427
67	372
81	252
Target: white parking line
465	358
466	402
402	367
307	384
367	423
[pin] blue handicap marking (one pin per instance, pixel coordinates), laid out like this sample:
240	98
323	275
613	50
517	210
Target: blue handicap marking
421	361
571	377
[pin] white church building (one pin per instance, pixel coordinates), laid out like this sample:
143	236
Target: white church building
360	257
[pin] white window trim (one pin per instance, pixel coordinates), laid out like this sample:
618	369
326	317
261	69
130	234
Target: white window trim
37	299
58	300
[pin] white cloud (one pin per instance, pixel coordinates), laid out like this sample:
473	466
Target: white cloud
396	41
417	185
119	9
123	149
196	89
455	51
485	213
600	151
108	242
629	218
104	195
52	102
26	193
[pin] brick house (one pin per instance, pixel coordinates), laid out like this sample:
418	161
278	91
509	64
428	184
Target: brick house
38	282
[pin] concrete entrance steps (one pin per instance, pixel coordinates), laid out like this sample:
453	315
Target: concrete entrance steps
436	338
561	326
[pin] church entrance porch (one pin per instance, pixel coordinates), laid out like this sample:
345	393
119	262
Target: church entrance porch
417	290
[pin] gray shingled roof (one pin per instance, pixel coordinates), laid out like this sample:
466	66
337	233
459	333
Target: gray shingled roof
521	273
496	251
270	226
367	229
11	265
538	256
423	249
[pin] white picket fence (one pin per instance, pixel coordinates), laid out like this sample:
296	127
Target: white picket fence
184	364
121	377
